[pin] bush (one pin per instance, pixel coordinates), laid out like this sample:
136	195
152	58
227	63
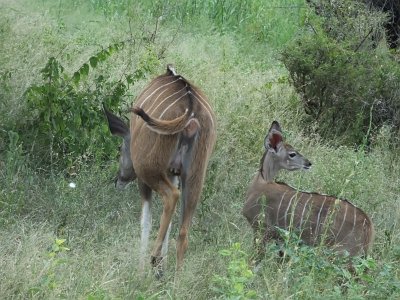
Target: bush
348	86
233	285
67	118
392	8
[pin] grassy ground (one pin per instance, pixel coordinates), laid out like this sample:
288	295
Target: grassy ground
59	242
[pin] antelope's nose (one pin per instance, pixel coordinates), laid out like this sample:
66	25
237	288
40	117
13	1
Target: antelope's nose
307	165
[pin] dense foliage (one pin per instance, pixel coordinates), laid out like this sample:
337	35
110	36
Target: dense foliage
349	82
392	24
70	118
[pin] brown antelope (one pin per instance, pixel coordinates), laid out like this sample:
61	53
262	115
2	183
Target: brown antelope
318	218
171	137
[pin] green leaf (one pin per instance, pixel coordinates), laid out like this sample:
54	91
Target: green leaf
111	49
93	61
225	252
130	79
59	242
282	79
268	85
77	120
46	116
103	55
76	78
84	70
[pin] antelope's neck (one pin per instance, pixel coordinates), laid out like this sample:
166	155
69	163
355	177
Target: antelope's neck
268	168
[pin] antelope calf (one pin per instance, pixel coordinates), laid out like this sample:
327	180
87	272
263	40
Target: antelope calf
171	137
318	218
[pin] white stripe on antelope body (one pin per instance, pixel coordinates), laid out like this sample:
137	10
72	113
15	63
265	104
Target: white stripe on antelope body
317	218
172	134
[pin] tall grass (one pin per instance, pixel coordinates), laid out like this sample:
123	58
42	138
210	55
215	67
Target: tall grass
82	243
273	22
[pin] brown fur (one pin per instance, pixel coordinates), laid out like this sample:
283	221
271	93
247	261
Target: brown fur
317	218
164	112
352	230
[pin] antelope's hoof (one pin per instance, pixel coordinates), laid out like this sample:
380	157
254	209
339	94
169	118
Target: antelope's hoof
156	262
281	253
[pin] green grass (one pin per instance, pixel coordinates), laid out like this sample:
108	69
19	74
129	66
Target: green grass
238	69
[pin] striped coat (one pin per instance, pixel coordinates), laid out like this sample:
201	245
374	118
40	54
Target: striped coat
316	218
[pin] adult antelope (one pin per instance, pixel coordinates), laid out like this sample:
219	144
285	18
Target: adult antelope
317	218
171	137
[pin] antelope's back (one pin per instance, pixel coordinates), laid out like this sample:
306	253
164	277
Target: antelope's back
340	223
167	97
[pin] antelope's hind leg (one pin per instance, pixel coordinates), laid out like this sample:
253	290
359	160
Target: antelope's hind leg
192	183
170	196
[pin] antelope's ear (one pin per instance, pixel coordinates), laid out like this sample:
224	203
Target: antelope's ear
274	137
117	126
276	127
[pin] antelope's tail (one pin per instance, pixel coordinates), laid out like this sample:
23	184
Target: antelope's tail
168	127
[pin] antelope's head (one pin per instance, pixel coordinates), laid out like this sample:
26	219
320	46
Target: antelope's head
279	155
126	173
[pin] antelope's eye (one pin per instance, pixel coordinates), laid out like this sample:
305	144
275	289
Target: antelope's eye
292	154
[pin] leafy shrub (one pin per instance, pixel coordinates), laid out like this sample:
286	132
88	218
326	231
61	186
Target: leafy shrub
303	265
238	275
347	84
392	8
50	277
67	119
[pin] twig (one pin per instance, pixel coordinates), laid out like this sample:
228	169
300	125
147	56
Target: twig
362	42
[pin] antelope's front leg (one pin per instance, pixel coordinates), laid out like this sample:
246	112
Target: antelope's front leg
272	235
263	236
145	223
